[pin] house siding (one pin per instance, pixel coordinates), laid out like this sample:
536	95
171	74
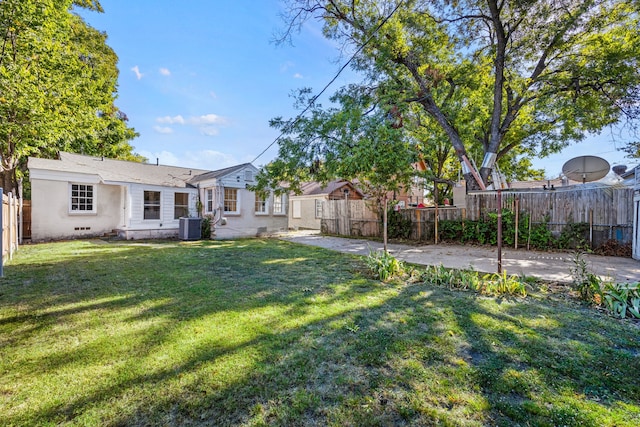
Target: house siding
53	197
245	222
119	199
307	220
249	224
167	225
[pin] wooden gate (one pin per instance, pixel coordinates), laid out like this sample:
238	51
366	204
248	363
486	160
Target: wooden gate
26	219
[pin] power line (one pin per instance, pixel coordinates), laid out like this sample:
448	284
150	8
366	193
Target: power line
314	99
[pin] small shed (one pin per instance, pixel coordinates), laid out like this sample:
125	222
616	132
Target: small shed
306	208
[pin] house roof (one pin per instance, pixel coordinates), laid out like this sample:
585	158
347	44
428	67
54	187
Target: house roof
316	188
220	172
118	170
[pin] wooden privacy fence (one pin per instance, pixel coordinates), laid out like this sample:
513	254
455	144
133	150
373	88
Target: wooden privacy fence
607	210
10	213
350	218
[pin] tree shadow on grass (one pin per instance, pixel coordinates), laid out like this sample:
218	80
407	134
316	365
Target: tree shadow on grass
299	337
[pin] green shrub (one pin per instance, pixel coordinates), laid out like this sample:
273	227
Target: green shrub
398	227
489	284
469	231
450	230
503	284
439	275
540	236
622	299
588	285
206	226
574	236
384	266
508	227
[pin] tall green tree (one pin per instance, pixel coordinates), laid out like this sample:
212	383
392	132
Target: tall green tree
506	76
343	141
58	82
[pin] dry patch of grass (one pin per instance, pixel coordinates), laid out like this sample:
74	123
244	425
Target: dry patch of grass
264	332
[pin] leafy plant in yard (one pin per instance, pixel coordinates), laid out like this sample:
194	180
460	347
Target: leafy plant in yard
574	236
622	299
450	230
398	226
439	275
489	284
383	265
503	284
266	332
588	285
540	236
207	226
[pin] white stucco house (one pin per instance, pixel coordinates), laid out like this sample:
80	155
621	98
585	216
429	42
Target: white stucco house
224	194
79	196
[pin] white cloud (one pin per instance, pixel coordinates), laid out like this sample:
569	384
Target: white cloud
163	129
284	67
207	124
171	120
209	131
136	71
213	95
203	159
297	76
165	71
207	119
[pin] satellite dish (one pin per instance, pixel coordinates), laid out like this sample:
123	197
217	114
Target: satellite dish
586	168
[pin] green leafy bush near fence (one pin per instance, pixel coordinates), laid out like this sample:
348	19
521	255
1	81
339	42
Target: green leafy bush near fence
398	227
537	236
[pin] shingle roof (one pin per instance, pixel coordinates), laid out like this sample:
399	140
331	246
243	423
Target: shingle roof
219	173
315	188
119	170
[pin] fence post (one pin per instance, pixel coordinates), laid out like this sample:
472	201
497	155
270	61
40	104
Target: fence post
435	223
499	231
517	214
12	224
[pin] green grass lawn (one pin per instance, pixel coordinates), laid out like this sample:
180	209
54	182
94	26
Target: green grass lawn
265	332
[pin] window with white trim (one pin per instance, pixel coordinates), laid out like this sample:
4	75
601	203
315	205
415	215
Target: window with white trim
261	204
151	205
248	175
82	198
180	205
209	200
318	208
278	203
231	200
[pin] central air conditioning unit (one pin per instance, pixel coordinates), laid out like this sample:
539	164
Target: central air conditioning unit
190	229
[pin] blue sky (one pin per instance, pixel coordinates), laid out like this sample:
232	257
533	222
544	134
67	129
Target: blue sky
199	80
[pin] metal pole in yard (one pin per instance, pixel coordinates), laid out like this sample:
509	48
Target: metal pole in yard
1	234
384	224
499	231
517	214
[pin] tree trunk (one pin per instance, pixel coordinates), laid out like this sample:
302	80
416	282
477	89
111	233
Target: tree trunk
9	181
